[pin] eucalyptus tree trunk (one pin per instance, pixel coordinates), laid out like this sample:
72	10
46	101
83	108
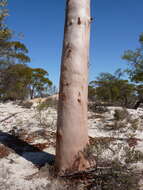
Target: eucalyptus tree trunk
72	132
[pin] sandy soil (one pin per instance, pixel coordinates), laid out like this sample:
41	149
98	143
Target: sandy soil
27	142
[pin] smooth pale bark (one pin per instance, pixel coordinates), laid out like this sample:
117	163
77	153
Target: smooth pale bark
72	132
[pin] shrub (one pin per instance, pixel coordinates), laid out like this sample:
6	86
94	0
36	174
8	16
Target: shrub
26	104
97	108
46	104
43	113
120	114
132	155
111	173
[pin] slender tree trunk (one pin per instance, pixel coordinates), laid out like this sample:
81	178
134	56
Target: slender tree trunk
72	132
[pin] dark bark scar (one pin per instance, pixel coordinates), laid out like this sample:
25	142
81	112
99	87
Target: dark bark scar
79	21
67	84
79	100
63	97
59	135
91	19
67	51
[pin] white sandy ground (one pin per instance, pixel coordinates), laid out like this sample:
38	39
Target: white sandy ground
15	169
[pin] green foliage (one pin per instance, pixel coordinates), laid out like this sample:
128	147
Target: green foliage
117	156
39	82
135	68
91	92
135	60
46	104
139	90
120	114
11	52
15	82
14	77
112	89
112	173
132	155
19	81
43	112
123	122
141	38
42	106
94	107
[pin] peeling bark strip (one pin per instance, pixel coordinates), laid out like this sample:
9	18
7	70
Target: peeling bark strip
72	108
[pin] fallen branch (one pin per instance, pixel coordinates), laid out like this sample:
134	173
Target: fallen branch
12	115
99	172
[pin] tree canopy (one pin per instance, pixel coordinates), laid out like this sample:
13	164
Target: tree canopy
11	52
17	80
135	60
39	82
112	89
20	81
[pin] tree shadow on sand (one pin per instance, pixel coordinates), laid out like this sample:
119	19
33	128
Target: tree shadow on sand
29	152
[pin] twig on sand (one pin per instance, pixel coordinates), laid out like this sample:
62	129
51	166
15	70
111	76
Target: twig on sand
12	115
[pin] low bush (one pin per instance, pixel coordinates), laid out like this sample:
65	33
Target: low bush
26	104
120	114
46	104
97	108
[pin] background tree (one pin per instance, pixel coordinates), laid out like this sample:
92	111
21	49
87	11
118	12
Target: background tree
91	92
135	60
15	82
11	52
111	89
40	83
20	82
72	134
135	68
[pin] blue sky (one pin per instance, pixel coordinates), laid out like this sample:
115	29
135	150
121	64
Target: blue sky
116	28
